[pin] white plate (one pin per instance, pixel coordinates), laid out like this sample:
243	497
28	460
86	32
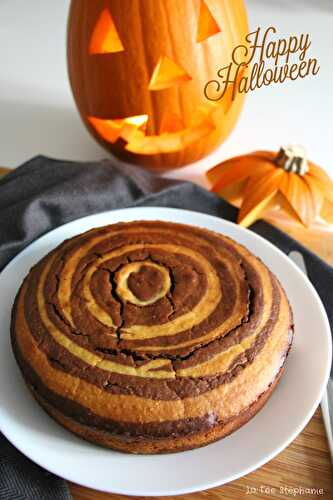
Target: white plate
287	411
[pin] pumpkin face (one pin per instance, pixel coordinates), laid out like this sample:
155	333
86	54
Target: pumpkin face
138	69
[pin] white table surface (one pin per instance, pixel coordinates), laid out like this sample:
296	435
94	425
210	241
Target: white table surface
38	115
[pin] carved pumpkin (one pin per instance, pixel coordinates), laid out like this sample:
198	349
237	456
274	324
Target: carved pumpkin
261	181
138	69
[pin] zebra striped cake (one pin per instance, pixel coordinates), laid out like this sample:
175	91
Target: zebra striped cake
151	336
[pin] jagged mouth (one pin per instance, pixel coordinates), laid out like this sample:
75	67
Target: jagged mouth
173	136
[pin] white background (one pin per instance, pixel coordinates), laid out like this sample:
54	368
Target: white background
38	115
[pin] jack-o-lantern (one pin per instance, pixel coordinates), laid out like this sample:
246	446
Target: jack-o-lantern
138	70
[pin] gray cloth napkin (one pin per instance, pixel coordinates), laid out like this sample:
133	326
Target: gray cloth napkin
45	193
21	479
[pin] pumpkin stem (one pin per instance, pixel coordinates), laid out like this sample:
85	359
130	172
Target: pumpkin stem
292	159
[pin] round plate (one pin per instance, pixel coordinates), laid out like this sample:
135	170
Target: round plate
289	409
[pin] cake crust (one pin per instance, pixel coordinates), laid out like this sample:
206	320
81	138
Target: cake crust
157	446
151	337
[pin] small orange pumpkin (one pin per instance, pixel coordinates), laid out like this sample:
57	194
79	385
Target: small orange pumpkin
260	181
138	70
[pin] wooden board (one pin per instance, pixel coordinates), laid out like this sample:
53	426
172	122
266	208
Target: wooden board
304	464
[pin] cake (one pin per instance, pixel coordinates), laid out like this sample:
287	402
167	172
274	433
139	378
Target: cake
151	337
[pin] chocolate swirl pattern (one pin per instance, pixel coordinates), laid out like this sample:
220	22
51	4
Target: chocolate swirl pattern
151	336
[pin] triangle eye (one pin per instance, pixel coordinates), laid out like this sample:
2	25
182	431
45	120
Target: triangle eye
167	74
207	26
105	38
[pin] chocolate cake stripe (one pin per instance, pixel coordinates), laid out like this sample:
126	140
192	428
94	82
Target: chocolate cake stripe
222	360
81	414
74	260
216	331
251	326
205	307
81	250
30	312
268	361
103	286
137	385
150	370
177	346
179	387
85	354
88	356
188	320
